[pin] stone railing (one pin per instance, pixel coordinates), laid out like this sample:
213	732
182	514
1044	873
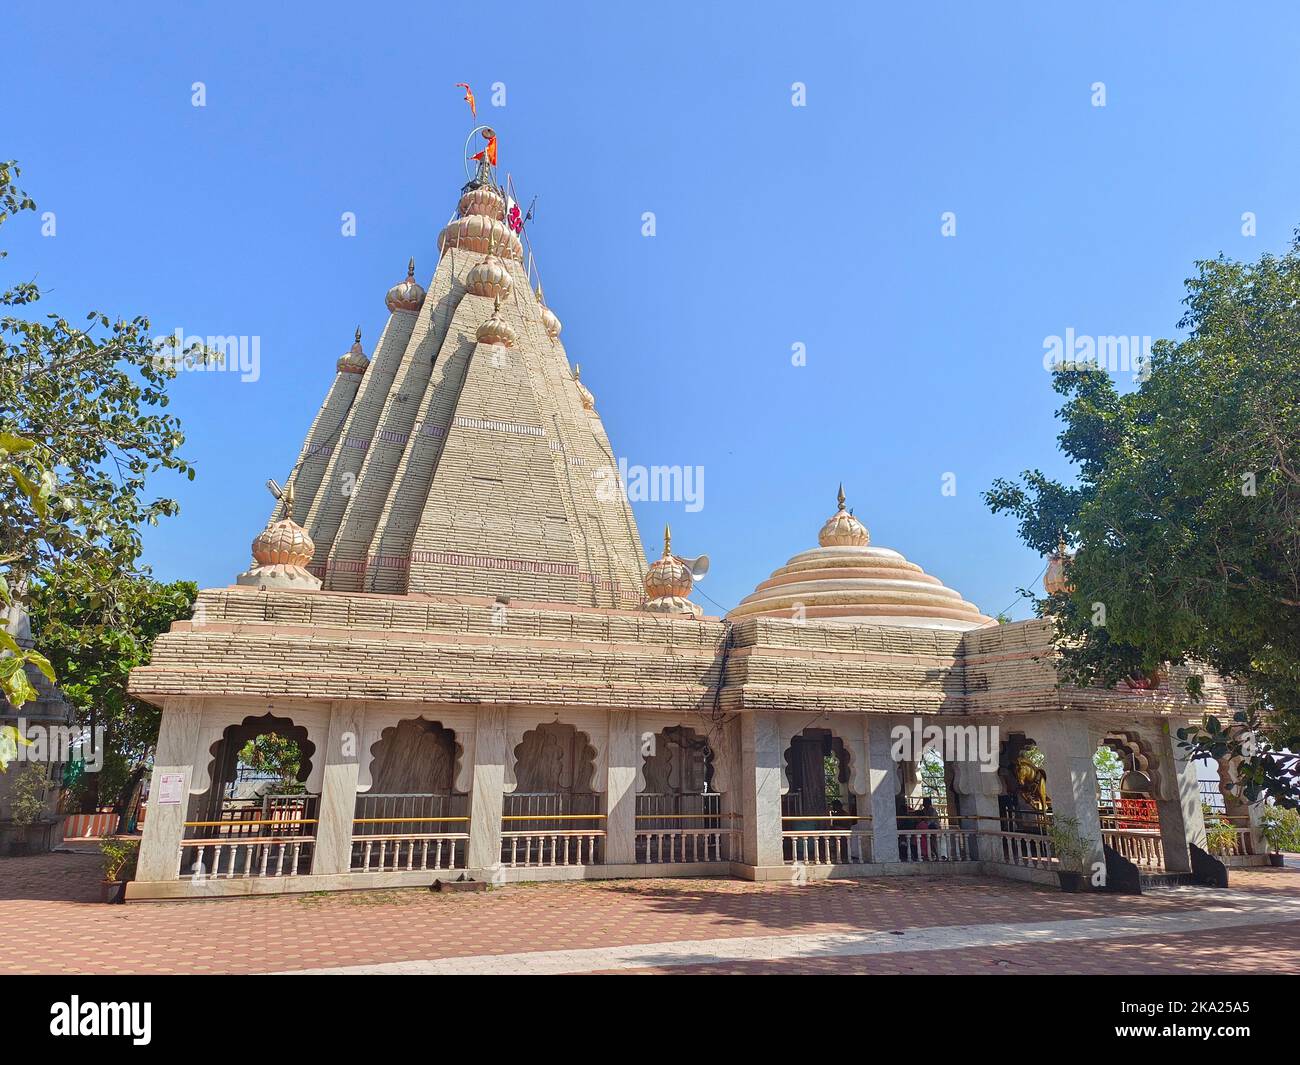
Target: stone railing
408	853
684	844
1026	849
1142	847
936	845
829	846
239	857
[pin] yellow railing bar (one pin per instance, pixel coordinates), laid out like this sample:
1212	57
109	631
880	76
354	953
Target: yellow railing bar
552	817
401	820
679	817
235	824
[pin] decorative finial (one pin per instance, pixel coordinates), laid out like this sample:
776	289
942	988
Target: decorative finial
842	529
577	371
668	542
357	336
410	267
286	497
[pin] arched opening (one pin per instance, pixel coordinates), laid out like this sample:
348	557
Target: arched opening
1126	800
927	809
679	816
819	812
412	818
1024	806
553	816
256	818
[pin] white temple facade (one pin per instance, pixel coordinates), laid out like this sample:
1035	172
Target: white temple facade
486	678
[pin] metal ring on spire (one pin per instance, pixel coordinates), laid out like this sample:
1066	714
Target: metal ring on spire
468	158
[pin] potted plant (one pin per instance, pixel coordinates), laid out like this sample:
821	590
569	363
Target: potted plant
1280	830
1072	849
1220	835
26	806
120	855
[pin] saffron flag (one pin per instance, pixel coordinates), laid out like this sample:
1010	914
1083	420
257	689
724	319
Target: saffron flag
469	97
490	151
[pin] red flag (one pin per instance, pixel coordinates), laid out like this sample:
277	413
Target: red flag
469	97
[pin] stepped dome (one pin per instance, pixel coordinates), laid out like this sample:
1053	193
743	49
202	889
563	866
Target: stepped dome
847	580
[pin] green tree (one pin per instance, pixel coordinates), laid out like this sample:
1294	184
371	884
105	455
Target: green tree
82	427
1185	513
270	752
94	640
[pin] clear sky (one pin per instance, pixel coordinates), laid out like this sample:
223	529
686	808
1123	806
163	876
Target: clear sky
776	225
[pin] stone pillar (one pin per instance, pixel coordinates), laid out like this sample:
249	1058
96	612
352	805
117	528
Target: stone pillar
164	826
1068	746
620	791
979	789
338	793
1178	801
1239	812
882	783
760	785
488	791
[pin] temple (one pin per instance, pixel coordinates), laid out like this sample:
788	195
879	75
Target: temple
486	677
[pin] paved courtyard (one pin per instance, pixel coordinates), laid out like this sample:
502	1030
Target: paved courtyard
49	904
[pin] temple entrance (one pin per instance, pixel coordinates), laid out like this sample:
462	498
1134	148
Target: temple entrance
679	817
256	818
412	818
1024	807
1126	800
819	813
927	811
553	817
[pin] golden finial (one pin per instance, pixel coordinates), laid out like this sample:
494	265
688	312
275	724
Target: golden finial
841	496
577	371
668	542
410	268
286	497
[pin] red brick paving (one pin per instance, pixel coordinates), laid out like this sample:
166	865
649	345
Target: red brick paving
53	899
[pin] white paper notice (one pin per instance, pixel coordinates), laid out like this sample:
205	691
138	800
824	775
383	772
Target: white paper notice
170	788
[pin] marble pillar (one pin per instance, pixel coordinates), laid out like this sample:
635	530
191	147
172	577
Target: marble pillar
760	783
487	795
620	791
1178	800
882	783
1068	745
338	794
164	825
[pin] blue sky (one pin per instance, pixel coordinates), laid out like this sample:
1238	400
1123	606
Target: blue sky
776	225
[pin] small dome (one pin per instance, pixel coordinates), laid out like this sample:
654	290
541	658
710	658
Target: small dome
285	543
354	359
584	394
477	232
496	330
667	577
848	581
1055	582
549	321
406	295
281	554
842	529
489	277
